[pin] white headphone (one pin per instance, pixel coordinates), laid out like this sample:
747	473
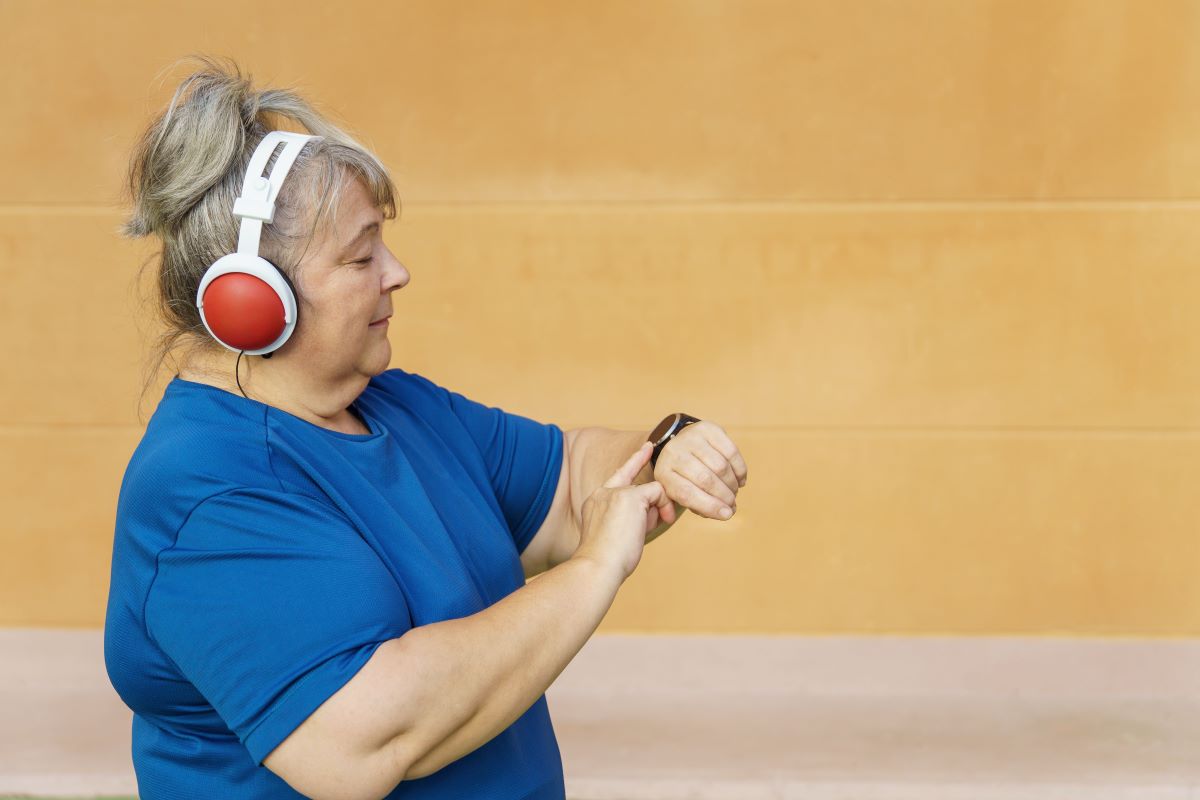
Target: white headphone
245	301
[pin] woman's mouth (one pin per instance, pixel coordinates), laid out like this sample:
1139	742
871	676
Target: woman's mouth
382	323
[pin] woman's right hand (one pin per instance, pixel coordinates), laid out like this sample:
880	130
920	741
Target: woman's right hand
617	516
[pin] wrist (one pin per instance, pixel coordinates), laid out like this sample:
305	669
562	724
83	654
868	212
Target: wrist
601	570
665	431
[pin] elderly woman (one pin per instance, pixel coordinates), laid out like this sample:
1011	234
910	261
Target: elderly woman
318	579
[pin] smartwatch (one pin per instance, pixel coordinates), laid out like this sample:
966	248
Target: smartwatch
665	431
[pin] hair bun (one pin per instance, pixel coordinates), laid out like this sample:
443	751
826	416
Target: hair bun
191	146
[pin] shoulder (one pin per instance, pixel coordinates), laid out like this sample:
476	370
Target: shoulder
401	384
396	390
196	445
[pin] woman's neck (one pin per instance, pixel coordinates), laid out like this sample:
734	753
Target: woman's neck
325	404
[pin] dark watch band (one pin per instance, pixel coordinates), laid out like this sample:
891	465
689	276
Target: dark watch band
666	430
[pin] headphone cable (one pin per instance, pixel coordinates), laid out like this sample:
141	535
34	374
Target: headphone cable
236	373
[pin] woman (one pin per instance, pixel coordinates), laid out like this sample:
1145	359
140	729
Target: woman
318	570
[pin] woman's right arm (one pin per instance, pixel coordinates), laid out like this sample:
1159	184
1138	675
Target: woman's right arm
442	690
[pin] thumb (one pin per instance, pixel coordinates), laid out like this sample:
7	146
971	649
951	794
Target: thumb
628	471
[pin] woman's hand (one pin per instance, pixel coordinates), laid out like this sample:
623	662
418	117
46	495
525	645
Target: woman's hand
617	516
702	470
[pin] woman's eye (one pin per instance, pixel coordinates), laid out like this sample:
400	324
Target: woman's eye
366	260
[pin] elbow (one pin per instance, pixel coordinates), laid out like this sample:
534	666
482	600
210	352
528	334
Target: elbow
334	775
372	779
377	790
353	746
395	764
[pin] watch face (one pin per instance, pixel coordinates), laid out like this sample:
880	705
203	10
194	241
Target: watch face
661	430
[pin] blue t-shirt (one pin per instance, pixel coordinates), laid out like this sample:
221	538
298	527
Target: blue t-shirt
260	559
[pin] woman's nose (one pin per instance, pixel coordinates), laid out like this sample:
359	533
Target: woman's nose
395	274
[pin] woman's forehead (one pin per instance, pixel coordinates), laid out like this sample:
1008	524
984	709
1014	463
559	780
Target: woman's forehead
365	231
356	218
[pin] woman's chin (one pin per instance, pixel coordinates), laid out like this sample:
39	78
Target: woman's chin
383	357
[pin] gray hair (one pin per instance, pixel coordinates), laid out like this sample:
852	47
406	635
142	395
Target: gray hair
188	168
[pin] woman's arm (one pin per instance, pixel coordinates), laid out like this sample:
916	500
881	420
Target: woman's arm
590	455
441	691
596	453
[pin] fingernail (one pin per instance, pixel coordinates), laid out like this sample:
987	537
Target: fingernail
726	512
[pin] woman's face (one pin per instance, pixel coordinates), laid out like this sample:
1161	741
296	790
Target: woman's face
345	285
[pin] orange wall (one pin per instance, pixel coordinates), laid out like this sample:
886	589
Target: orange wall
932	264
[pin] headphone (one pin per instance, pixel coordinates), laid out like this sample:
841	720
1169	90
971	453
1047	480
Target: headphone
245	301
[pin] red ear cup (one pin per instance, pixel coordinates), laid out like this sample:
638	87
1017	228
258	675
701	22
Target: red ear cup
243	311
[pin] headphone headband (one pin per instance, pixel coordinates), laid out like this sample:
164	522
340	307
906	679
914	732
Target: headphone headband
256	204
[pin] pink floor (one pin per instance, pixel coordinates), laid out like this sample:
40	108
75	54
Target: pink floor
668	718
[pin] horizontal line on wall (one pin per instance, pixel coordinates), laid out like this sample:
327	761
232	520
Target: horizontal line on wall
820	206
18	209
966	431
743	206
63	427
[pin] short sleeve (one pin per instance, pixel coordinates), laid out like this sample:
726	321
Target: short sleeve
269	602
523	458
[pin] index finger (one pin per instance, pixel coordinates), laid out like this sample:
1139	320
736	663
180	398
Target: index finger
629	470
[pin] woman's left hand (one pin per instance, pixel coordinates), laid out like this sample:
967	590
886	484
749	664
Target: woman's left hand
702	470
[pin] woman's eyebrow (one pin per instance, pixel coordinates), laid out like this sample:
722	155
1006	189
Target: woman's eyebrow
369	227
